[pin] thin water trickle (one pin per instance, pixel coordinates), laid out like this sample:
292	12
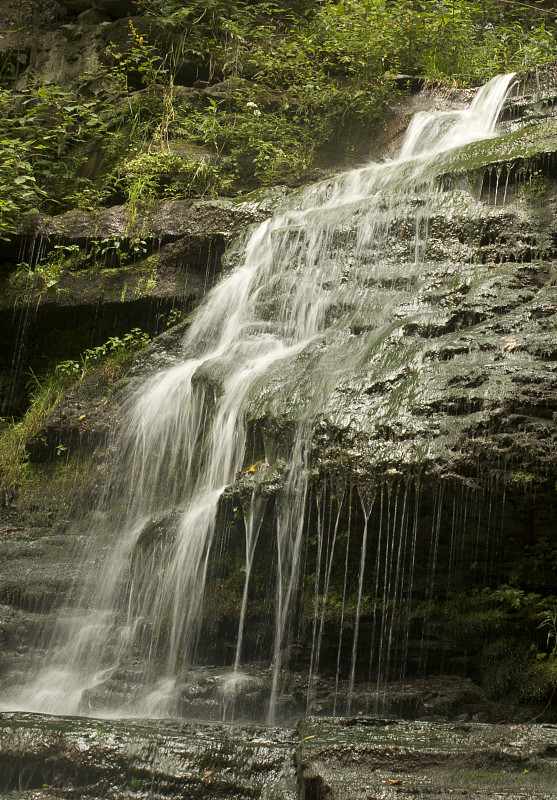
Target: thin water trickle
252	525
277	331
320	525
31	256
367	506
343	604
321	607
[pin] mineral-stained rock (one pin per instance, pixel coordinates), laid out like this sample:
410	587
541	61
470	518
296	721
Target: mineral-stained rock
342	759
163	220
345	759
98	758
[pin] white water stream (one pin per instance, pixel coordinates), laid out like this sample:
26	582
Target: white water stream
275	330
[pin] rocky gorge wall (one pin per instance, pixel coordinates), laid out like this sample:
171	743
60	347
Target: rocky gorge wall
455	441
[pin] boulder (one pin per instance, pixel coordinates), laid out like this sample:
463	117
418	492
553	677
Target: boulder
115	8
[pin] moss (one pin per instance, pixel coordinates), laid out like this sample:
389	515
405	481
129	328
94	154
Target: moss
47	493
523	144
108	361
522	477
540	679
476	625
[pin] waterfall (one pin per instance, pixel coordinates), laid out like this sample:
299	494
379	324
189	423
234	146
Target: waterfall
301	312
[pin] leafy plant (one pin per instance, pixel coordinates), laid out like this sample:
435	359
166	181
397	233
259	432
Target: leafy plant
549	625
116	348
173	317
40	131
141	58
46	392
293	82
163	173
45	275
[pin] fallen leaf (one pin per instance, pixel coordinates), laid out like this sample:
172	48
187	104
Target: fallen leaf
511	344
307	737
207	774
82	417
393	783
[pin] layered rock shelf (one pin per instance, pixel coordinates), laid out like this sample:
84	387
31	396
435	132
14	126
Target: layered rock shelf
46	758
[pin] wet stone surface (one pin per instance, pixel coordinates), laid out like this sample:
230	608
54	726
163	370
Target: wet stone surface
452	376
358	758
47	757
372	759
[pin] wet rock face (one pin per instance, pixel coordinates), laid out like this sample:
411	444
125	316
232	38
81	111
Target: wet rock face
339	759
39	566
439	698
478	385
164	221
449	426
462	375
121	279
459	375
115	760
353	758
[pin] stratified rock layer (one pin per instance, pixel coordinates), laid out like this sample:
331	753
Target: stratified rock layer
448	428
343	759
363	759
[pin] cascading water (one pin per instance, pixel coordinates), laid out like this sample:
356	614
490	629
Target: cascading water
283	329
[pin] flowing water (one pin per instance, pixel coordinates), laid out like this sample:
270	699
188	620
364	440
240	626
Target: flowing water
282	331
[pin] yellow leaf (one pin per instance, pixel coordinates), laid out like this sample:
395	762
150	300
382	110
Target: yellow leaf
82	416
207	774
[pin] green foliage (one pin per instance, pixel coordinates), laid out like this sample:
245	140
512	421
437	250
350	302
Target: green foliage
534	610
118	349
293	82
509	597
45	392
162	173
141	58
45	276
298	80
19	192
40	131
549	625
114	250
173	317
522	477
